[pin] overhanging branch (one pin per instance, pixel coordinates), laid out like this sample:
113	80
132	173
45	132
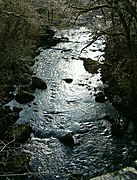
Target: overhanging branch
84	10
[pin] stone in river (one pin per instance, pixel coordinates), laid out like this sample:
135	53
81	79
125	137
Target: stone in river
67	139
68	80
100	97
23	97
117	130
38	83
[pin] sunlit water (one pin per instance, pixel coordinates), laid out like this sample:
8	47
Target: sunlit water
71	107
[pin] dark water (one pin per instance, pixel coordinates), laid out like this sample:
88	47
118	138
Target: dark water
71	107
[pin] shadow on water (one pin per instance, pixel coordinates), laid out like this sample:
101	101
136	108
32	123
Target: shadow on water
70	107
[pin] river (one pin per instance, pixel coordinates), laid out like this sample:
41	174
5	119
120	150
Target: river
71	108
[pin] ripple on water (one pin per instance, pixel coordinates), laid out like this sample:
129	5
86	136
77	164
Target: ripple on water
71	107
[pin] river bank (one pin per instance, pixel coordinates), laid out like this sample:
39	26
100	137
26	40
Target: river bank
18	76
119	73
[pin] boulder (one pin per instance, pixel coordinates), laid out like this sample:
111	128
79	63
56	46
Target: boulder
64	39
23	97
100	97
38	83
68	80
90	65
126	173
117	129
17	109
67	139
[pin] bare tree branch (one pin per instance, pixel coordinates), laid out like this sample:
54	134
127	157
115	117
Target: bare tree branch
84	10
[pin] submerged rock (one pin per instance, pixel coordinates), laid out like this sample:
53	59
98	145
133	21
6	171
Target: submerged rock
23	97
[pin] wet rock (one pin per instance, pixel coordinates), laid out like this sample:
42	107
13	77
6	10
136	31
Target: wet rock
38	51
76	176
90	65
23	97
67	139
25	87
6	93
46	37
81	84
126	173
4	111
117	129
17	109
68	80
100	97
64	39
109	119
38	83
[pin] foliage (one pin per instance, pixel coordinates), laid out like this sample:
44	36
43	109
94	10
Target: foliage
19	27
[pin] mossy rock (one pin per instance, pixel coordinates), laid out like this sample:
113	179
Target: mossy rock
23	97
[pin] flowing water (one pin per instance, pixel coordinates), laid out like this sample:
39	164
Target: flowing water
71	108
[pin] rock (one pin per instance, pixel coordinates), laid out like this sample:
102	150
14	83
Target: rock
117	129
90	65
64	39
5	110
25	87
68	80
81	84
126	173
100	97
38	51
46	37
76	176
17	109
109	119
38	83
67	139
23	97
